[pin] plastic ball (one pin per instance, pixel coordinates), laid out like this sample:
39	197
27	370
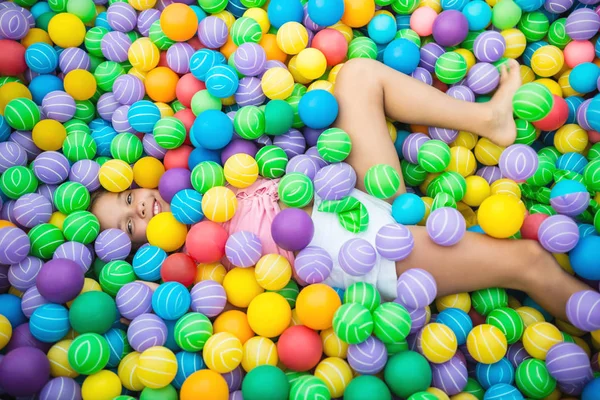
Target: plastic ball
438	342
407	373
88	353
134	299
31	371
299	348
569	197
179	22
192	331
292	229
115	175
104	310
529	110
558	234
269	314
206	242
533	379
508	321
446	226
402	55
486	344
273	272
171	300
66	30
501	215
157	367
277	83
582	24
567	363
208	298
367	384
230	349
316	305
580	310
265	380
539	338
205	383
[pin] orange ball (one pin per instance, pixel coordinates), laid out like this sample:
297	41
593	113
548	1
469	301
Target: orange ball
6	224
179	22
161	83
272	50
228	48
316	305
206	385
358	13
234	322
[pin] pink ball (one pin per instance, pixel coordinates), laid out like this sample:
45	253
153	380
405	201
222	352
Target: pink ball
394	242
446	226
557	117
357	257
558	234
421	21
313	264
578	52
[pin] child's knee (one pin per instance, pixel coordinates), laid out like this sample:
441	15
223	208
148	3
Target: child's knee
357	71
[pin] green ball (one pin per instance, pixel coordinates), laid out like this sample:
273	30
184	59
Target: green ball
58	5
245	30
169	133
557	34
203	101
70	197
594	152
407	373
534	26
442	200
253	3
7	79
353	323
17	181
115	275
271	161
434	156
550	152
367	387
249	122
362	47
265	382
84	111
207	175
25	3
124	397
126	147
591	176
92	311
158	37
298	90
293	376
192	331
506	14
102	160
469	42
93	40
85	10
279	117
392	323
410	35
423	396
88	353
567	338
289	293
382	181
451	67
542	209
405	7
177	106
364	294
534	380
309	387
166	393
79	146
413	174
81	226
508	321
448	182
296	190
473	387
532	101
107	73
76	126
45	239
526	132
397	347
293	101
22	114
213	6
485	301
334	145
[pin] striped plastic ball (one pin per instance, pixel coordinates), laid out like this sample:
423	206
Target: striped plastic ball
88	353
434	156
411	146
77	252
134	299
249	92
81	226
60	388
458	321
534	380
51	167
532	102
416	288
486	344
382	181
119	348
309	387
192	331
450	376
171	300
127	89
186	206
353	323
445	135
446	226
558	234
86	173
22	275
243	249
518	162
41	58
169	133
112	244
450	67
568	363
582	24
11	154
13	24
249	122
73	58
335	181
45	239
583	310
539	337
245	30
489	375
114	275
49	323
364	294
157	367
114	46
292	142
483	78
296	190
179	56
187	364
486	300
148	261
207	175
222	81
334	145
489	46
121	17
223	352
516	354
32	209
22	114
143	115
357	257
503	391
569	197
313	264
394	242
303	164
508	321
392	323
368	357
208	298
212	32
438	343
250	59
146	331
58	105
272	162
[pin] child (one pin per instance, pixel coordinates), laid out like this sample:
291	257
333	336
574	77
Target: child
367	91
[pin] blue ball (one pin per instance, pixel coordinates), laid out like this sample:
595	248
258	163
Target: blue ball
49	323
591	390
102	21
325	12
476	229
10	307
592	114
236	8
402	55
489	375
171	300
529	5
318	109
340	292
408	209
4	129
584	76
584	258
453	4
41	85
41	58
187	364
586	230
39	9
479	15
143	115
566	187
186	206
400	138
402	22
202	61
171	344
547	137
212	130
98	123
103	138
222	81
503	391
200	12
530	49
147	262
572	162
597	49
573	102
282	11
382	29
118	346
529	302
200	154
457	320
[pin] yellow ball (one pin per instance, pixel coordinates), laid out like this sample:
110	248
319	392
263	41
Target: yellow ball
515	42
277	83
222	352
241	170
552	86
468	56
164	109
501	216
298	77
344	30
260	16
295	318
273	272
143	54
142	5
583	344
568	328
89	285
311	63
478	189
488	152
527	75
166	232
565	86
466	139
49	135
226	17
292	38
115	176
539	337
10	91
507	187
80	84
269	314
59	360
570	138
141	75
433	4
157	367
147	172
5	331
529	315
462	301
391	130
57	219
336	373
547	61
323	85
219	204
15	292
127	372
66	30
596	335
440	394
104	385
241	286
462	161
428	201
36	35
513	303
333	346
438	342
465	395
334	73
486	344
259	351
213	272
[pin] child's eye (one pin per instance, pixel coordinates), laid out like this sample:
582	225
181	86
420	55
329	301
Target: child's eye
130	227
129	198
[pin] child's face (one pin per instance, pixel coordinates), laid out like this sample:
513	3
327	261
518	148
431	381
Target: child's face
129	211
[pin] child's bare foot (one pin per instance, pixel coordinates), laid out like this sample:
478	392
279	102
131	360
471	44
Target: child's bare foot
503	129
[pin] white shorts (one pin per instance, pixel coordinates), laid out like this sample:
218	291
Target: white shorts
331	236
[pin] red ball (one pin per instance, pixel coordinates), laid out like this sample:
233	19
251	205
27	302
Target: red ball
180	268
332	44
186	88
299	348
196	43
205	242
594	136
557	116
531	224
177	158
162	61
12	62
477	318
578	52
439	85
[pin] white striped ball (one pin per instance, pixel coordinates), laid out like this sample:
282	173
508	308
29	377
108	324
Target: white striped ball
416	288
243	249
394	242
357	257
313	264
208	298
446	226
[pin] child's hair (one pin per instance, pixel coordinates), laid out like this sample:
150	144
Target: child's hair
94	196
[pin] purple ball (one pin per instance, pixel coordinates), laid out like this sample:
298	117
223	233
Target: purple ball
128	89
22	337
415	341
237	146
582	24
145	20
208	298
48	192
152	148
308	22
172	181
32	209
357	257
51	167
7	213
303	164
115	45
446	226
573	389
445	135
121	17
518	162
263	140
558	234
11	155
394	242
292	229
234	379
568	363
243	249
24	371
583	310
178	57
14	245
61	388
60	280
483	78
134	299
461	92
31	301
450	28
313	264
107	105
411	146
558	6
451	376
13	24
490	174
73	58
120	121
429	55
418	317
24	139
571	204
582	118
250	59
4	283
77	252
516	354
112	244
145	331
22	274
213	32
292	142
58	105
86	173
489	46
311	135
423	75
416	288
249	92
368	357
313	153
335	181
236	395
